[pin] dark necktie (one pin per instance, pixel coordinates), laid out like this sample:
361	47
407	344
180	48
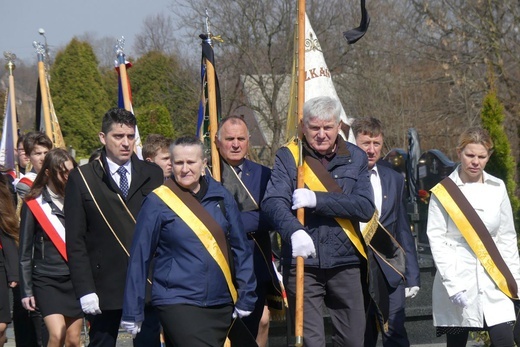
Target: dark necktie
238	170
123	181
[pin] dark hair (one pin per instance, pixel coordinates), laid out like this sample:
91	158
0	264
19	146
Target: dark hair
117	116
367	126
36	138
54	163
9	223
20	139
154	143
187	141
95	154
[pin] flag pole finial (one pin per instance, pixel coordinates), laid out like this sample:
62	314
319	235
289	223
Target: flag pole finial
207	27
39	47
119	47
10	57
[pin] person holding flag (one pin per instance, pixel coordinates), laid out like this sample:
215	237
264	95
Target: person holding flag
44	274
337	196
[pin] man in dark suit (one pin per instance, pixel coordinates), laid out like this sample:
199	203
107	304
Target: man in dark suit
388	187
102	201
247	181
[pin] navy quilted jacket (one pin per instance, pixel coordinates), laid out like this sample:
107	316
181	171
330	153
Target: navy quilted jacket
333	248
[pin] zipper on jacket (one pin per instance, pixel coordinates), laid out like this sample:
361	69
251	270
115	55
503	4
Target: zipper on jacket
43	247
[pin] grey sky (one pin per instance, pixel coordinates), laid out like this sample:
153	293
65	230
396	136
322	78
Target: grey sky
64	19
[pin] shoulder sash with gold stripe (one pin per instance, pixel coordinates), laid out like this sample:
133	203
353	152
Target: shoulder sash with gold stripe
386	248
233	183
50	224
317	178
476	235
202	224
109	205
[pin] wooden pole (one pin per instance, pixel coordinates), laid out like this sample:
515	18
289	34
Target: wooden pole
121	61
45	97
124	84
12	102
298	328
213	119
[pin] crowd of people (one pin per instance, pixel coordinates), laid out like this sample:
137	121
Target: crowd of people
178	254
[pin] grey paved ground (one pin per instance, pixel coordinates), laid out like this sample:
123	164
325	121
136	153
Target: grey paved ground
275	340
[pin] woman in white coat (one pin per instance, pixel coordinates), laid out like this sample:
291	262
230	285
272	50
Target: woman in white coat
465	296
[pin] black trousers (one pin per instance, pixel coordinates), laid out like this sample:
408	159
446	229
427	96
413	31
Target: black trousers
192	326
104	328
501	335
396	335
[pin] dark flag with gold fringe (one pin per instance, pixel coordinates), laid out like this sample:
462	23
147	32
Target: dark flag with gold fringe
209	107
46	119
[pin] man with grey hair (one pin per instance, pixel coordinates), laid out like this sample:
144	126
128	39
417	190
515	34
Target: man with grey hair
337	196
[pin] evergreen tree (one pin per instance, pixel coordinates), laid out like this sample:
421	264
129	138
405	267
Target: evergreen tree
79	96
501	164
159	79
154	119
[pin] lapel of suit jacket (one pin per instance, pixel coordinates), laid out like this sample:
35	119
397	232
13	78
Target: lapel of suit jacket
103	171
383	178
247	174
138	176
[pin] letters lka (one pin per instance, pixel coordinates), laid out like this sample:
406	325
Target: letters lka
315	73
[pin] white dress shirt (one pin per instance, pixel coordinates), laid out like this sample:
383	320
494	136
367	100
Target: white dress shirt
113	167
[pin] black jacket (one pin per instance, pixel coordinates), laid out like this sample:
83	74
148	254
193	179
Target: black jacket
38	255
97	261
9	257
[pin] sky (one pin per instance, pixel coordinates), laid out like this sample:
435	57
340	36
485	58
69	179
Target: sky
64	19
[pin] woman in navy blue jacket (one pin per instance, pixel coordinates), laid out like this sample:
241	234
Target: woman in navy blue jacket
190	289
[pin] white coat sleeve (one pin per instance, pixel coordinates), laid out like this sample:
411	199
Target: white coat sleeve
507	239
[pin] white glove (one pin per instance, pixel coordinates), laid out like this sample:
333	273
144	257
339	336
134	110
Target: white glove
302	245
460	299
240	314
411	292
131	327
90	303
303	197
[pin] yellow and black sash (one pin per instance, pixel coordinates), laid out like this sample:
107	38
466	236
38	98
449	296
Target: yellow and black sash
318	179
234	184
121	225
202	224
476	235
246	202
387	249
